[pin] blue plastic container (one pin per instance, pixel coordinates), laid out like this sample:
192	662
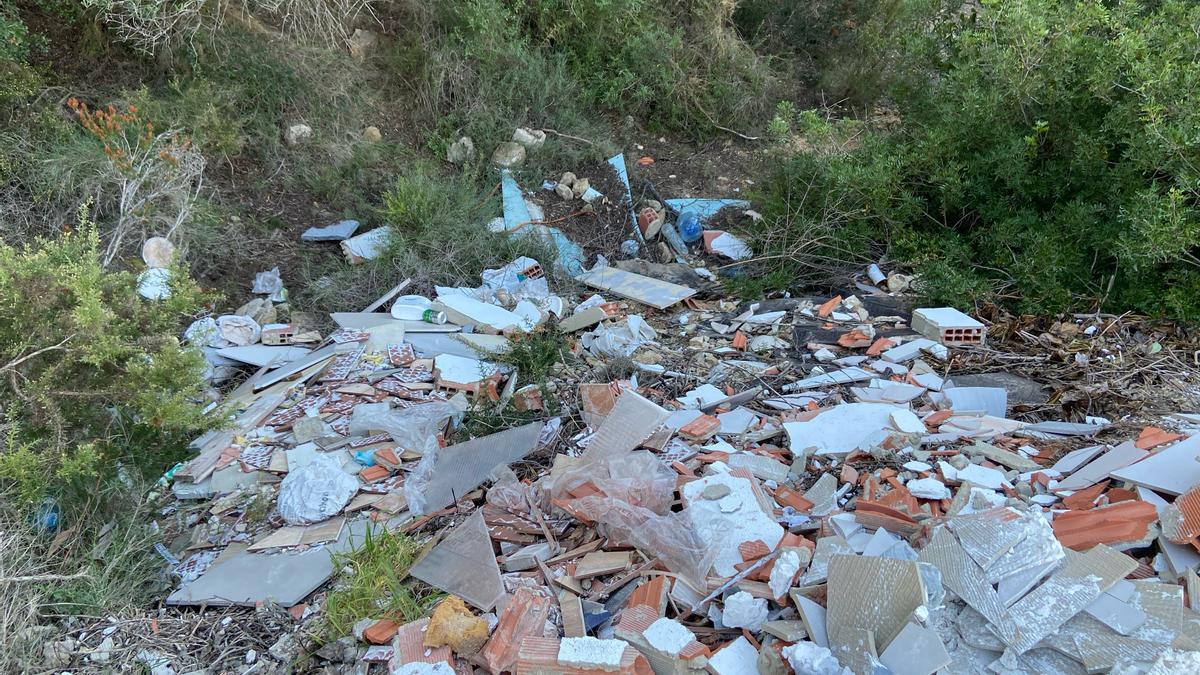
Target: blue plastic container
689	227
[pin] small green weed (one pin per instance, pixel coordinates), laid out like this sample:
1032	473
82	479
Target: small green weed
534	354
372	584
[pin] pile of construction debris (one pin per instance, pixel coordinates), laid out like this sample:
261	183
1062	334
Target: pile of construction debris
857	513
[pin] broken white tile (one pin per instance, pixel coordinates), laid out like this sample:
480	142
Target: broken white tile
1173	470
928	488
701	396
917	650
1116	614
813	616
1071	461
983	476
736	421
905	421
737	658
991	400
881	542
841	429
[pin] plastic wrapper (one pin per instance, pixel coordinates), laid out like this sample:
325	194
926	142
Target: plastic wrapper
316	491
636	478
270	284
155	283
619	339
507	492
204	333
670	536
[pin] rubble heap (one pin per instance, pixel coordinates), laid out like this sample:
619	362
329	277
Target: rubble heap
715	507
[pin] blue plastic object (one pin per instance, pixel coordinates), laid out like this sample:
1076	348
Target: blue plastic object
689	226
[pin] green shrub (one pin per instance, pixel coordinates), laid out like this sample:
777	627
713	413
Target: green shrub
1048	156
94	377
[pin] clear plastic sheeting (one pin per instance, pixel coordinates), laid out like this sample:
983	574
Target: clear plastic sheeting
670	537
317	491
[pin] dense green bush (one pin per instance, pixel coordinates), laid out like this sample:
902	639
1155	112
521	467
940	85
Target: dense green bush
1047	155
94	378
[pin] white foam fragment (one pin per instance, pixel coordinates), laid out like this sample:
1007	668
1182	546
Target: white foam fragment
928	488
737	658
743	610
668	636
786	567
811	658
590	652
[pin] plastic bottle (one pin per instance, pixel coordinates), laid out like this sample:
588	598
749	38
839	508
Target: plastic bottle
689	226
417	308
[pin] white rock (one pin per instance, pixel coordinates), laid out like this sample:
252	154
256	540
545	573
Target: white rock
743	610
508	155
917	466
530	138
297	134
461	150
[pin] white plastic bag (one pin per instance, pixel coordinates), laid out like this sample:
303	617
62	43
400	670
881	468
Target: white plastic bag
317	491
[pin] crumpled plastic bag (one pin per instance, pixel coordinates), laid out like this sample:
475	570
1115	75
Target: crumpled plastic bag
507	492
316	491
270	284
619	339
670	536
637	478
415	428
155	283
205	333
239	330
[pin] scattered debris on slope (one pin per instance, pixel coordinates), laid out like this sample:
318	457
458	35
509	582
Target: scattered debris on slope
807	485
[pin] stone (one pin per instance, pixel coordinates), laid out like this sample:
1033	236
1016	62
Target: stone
580	186
103	652
58	654
567	179
509	155
563	190
715	491
461	151
453	625
259	309
371	135
361	42
529	138
297	134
